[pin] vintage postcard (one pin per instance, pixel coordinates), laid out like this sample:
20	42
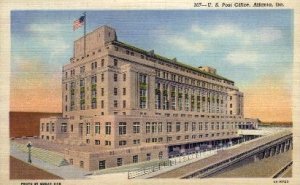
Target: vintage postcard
149	92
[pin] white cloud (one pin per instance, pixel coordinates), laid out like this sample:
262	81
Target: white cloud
244	57
268	34
184	44
49	36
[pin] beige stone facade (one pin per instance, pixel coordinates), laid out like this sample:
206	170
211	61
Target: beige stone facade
130	105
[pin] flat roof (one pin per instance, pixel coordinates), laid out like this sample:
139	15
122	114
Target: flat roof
170	61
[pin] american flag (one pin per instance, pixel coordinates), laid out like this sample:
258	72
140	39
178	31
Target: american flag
78	23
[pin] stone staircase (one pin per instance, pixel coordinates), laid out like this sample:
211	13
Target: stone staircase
47	156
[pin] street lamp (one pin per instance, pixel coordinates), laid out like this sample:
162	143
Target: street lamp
29	145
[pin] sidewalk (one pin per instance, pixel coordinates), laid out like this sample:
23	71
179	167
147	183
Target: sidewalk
66	172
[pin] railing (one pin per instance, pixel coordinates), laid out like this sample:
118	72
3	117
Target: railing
231	160
175	160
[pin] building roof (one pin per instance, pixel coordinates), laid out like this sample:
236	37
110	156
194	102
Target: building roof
171	61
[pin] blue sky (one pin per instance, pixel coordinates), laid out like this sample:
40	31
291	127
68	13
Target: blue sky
244	46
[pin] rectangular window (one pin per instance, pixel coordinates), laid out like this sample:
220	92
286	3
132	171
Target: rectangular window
102	91
200	125
148	127
122	128
122	143
169	139
119	161
124	91
136	141
178	127
148	156
115	91
124	77
186	126
116	103
101	165
107	143
108	128
159	128
124	103
88	128
169	127
97	142
136	127
135	159
115	77
102	104
193	126
154	127
52	127
102	77
63	127
97	128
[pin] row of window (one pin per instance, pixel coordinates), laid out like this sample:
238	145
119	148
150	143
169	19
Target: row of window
120	161
150	127
171	65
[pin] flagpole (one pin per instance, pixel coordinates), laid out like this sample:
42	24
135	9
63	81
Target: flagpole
84	32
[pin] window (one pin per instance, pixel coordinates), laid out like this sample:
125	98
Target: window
169	139
102	77
63	127
116	103
115	62
82	69
97	142
115	77
193	126
178	138
124	103
154	127
169	127
206	126
186	126
122	143
200	125
186	137
135	159
87	141
148	157
102	104
101	165
47	127
159	127
107	143
124	77
178	127
124	91
147	127
108	128
102	62
115	91
136	141
136	127
42	126
52	127
143	90
160	155
122	128
119	161
88	128
81	164
97	128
